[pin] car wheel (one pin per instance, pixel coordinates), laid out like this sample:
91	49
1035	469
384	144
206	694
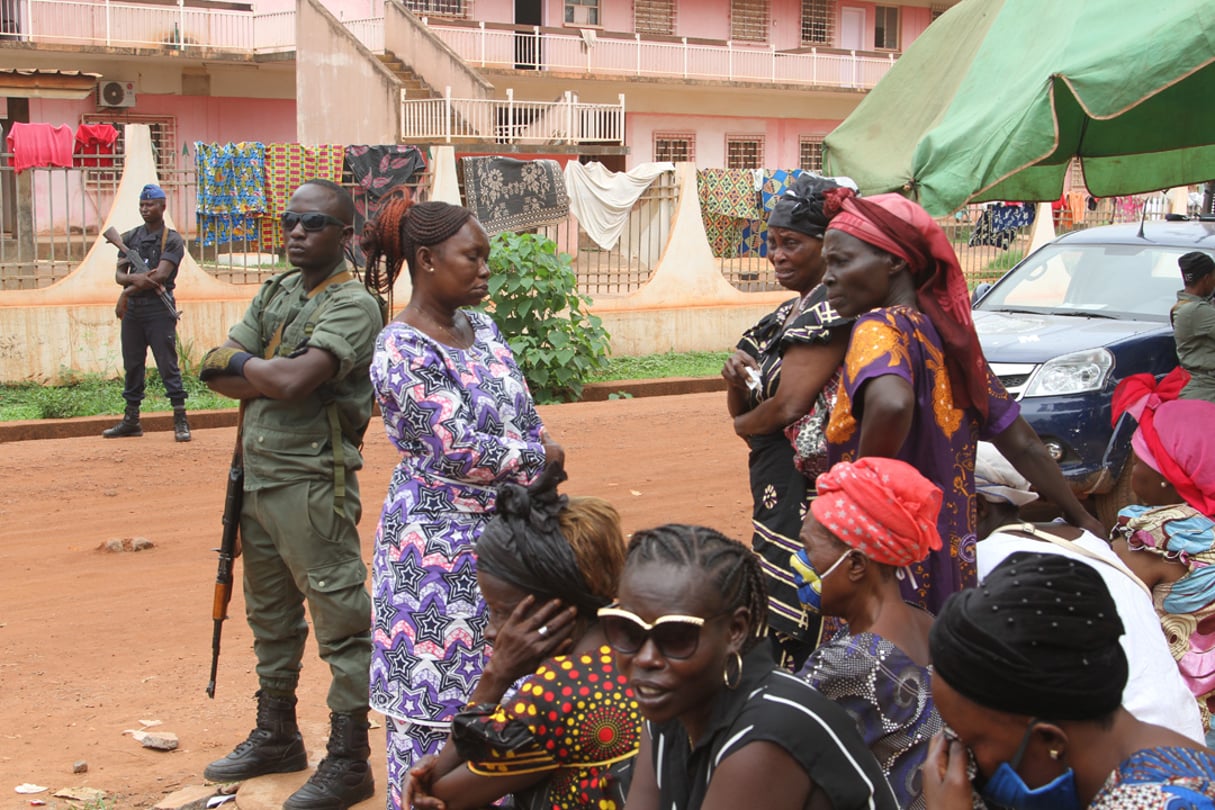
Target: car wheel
1121	495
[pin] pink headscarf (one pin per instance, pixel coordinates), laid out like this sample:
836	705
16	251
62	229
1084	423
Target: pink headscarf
901	227
881	507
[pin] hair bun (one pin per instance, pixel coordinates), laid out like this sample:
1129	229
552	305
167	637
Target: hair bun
513	500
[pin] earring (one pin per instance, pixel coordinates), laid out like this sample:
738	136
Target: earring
725	673
1164	484
1055	754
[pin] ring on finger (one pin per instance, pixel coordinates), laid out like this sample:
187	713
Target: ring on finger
543	630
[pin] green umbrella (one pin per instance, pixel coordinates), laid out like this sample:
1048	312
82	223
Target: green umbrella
997	96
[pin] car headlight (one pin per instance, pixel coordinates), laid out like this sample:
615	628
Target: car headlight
1072	373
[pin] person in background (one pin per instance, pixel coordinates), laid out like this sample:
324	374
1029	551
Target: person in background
871	519
1028	675
724	725
915	384
1155	691
457	407
1169	541
1193	319
144	306
783	368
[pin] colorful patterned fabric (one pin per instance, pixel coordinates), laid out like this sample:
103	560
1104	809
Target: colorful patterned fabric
755	234
941	443
576	717
998	224
464	422
382	173
1160	779
288	165
727	206
514	195
890	698
231	181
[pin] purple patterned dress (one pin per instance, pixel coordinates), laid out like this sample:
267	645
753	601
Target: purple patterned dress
464	422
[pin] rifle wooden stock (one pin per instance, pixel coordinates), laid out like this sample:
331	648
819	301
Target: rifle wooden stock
112	236
229	548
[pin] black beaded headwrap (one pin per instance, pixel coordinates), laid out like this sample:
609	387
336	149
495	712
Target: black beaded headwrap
1038	637
523	545
800	208
1194	265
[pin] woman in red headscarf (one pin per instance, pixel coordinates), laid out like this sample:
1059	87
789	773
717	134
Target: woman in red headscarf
915	384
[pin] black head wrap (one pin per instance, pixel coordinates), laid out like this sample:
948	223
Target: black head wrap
1038	637
523	545
800	208
1194	265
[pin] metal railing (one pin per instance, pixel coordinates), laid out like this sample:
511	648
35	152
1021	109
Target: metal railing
508	121
602	54
369	31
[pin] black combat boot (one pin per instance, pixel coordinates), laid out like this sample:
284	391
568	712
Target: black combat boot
181	428
275	746
344	776
129	426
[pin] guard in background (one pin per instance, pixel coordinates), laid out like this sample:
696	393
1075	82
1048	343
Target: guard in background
147	318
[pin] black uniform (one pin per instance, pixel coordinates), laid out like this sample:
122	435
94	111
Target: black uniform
148	322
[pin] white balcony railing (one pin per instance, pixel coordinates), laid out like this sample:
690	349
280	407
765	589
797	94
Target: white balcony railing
508	121
369	31
534	49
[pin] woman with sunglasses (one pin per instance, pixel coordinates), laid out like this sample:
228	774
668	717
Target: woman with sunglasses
871	520
457	407
1028	675
724	726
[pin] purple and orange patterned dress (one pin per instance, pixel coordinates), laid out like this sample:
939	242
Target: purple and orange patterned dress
465	423
941	444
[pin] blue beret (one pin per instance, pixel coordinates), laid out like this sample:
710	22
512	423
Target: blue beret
152	192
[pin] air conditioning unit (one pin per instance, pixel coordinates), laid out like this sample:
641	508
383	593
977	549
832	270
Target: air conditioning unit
116	94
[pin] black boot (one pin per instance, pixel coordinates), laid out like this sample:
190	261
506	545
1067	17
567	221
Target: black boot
129	426
275	746
344	776
181	428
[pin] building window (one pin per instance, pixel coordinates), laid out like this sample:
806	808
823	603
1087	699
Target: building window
749	20
886	28
810	153
163	129
654	17
582	12
677	147
936	10
439	8
744	152
818	22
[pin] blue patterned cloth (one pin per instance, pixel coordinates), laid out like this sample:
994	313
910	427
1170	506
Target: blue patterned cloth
231	180
1160	779
755	234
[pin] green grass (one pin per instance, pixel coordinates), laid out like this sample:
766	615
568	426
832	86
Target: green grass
657	366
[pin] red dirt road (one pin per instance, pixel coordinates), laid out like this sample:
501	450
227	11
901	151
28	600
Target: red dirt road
92	642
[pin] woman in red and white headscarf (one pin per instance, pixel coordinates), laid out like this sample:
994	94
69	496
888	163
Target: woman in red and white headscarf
871	520
915	385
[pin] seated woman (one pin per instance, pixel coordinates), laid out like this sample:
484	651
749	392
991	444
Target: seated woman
1028	672
567	736
1169	542
724	726
872	519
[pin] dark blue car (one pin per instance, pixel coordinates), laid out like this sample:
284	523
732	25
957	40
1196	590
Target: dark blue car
1070	321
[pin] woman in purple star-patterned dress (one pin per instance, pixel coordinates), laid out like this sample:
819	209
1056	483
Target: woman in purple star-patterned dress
457	407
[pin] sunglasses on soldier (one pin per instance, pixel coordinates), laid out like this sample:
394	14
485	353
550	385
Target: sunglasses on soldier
312	221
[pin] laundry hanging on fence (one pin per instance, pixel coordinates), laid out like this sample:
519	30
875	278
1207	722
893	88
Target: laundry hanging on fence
382	173
998	224
728	205
38	145
602	199
755	234
288	165
95	145
506	194
231	181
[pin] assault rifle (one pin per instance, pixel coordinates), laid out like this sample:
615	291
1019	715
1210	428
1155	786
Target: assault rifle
229	546
138	265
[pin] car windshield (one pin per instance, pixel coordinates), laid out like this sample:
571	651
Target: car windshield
1135	282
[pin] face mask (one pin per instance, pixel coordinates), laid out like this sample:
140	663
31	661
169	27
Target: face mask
1006	788
810	582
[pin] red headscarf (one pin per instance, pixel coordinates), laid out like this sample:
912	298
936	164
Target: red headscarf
895	224
881	507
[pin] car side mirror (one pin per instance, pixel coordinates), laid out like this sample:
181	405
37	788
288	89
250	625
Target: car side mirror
980	290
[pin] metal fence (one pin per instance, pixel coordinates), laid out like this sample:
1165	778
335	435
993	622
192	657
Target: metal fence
510	121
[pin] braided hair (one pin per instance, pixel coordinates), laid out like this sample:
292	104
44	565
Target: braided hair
732	568
396	233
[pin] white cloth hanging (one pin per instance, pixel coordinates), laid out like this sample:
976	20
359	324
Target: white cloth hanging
602	199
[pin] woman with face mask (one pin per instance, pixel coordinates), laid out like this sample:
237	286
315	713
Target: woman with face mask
872	519
1028	673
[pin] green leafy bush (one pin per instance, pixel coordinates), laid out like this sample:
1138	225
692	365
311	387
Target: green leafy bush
534	299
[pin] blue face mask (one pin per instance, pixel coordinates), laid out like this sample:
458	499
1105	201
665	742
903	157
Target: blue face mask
1006	788
809	581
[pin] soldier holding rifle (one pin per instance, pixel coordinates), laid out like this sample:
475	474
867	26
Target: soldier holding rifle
149	315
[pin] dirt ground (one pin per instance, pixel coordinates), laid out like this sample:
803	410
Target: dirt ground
93	642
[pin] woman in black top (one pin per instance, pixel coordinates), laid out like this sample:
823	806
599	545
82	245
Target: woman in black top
725	727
